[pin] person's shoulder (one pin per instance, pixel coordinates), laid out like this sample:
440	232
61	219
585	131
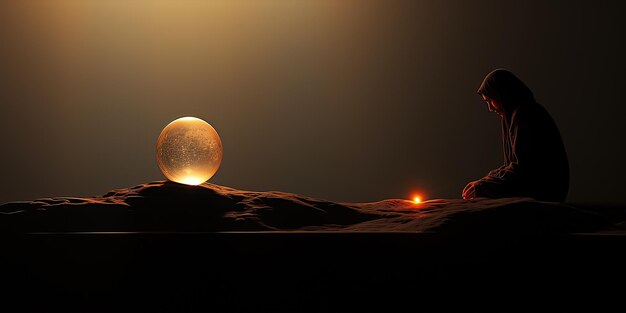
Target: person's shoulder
530	111
533	116
520	114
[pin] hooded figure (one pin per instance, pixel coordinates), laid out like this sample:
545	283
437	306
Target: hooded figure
535	162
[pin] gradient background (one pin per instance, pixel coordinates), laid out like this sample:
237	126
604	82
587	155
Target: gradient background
341	100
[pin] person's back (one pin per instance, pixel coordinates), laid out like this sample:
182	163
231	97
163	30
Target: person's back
535	161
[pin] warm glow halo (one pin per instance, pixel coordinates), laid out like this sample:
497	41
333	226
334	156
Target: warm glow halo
417	197
191	180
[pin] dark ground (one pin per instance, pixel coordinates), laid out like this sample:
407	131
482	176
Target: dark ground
171	248
312	272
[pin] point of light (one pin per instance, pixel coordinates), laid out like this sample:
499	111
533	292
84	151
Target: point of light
417	199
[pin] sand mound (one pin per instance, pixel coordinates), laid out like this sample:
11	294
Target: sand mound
166	206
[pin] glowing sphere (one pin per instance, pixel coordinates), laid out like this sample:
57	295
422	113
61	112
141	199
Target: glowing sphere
189	151
417	199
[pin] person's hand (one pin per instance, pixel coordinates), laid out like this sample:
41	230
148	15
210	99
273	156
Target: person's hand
469	192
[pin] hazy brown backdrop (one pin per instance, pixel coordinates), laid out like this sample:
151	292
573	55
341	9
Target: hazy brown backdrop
343	100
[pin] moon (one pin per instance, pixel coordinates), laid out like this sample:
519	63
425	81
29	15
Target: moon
189	151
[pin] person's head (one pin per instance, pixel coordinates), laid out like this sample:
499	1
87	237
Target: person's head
493	105
504	92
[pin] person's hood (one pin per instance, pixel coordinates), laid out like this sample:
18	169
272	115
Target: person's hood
504	86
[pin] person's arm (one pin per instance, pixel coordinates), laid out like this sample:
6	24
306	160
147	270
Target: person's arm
521	135
505	131
497	171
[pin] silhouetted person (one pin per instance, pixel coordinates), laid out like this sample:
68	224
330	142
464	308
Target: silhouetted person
535	162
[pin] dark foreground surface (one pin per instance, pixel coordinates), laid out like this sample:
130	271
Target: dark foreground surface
167	247
312	271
